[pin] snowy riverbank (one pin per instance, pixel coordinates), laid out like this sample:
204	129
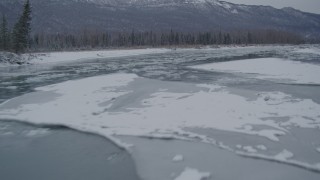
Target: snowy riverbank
58	57
7	58
71	56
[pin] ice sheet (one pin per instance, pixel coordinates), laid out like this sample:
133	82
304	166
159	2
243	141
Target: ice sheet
85	104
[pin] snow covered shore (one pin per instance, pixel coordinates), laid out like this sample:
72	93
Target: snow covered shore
70	56
7	58
57	57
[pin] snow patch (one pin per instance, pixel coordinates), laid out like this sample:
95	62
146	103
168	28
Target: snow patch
7	58
249	149
193	174
37	132
178	158
210	87
261	147
284	155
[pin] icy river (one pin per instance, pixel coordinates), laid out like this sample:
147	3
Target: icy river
245	113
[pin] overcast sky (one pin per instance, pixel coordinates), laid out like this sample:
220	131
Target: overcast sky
304	5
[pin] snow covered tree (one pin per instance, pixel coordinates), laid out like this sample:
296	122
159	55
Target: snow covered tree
21	30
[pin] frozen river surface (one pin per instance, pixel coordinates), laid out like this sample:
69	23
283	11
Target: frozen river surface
228	113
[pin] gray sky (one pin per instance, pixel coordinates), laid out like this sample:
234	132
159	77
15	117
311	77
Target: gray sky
304	5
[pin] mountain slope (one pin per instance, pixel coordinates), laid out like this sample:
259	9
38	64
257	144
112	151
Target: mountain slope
160	15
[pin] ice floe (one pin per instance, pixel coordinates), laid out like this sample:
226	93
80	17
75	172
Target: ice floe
277	69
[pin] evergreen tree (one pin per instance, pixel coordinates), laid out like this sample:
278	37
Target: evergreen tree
133	38
21	30
249	38
4	34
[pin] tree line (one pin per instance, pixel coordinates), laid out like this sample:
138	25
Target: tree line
96	39
19	40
